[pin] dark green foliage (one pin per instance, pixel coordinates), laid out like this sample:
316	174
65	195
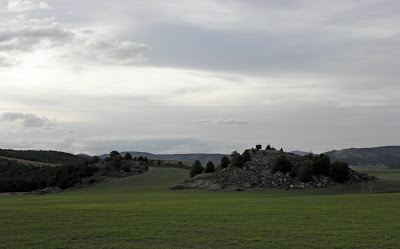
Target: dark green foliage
159	162
42	156
306	170
145	159
114	154
126	168
95	159
140	158
16	177
116	163
282	164
268	147
224	162
281	150
258	146
128	156
321	165
310	155
209	168
292	173
196	169
238	160
340	171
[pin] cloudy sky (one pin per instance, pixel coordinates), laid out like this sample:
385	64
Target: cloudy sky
173	76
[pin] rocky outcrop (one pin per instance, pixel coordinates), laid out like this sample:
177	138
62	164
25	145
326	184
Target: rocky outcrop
257	174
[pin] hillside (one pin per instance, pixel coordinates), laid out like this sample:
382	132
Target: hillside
52	157
202	157
387	157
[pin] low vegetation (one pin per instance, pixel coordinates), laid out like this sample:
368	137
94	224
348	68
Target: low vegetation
140	212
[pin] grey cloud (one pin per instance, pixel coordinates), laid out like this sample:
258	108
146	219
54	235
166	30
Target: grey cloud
26	5
108	51
219	121
27	120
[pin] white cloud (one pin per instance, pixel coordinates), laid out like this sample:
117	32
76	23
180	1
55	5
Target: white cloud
27	120
26	5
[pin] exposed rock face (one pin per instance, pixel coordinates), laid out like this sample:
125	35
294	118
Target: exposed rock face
257	174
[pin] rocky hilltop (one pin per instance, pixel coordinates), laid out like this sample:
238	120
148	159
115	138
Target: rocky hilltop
258	173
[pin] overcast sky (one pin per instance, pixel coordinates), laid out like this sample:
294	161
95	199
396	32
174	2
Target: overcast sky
92	76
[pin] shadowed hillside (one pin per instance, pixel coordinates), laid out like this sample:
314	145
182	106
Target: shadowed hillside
387	157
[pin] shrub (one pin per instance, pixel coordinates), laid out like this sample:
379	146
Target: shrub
258	146
282	164
268	147
224	162
322	165
339	171
209	168
306	170
128	156
95	159
114	154
127	169
196	168
239	160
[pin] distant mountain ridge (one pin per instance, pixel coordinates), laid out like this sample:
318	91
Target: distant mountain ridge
191	157
385	157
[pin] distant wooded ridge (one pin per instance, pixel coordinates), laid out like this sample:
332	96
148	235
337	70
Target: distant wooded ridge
377	157
191	157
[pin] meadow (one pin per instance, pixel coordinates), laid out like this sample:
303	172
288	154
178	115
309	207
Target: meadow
140	212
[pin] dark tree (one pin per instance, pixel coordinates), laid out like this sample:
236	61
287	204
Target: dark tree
306	170
268	147
145	159
340	171
140	158
95	159
159	162
209	168
224	162
282	164
238	160
258	146
281	150
196	169
322	165
114	154
128	156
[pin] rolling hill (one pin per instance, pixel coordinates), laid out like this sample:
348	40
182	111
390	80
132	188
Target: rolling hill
203	157
386	157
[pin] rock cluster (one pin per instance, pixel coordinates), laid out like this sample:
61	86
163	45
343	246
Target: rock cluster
257	174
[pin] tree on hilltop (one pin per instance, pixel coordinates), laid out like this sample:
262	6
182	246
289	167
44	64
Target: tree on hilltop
196	169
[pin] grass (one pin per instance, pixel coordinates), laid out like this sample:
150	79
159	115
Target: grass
140	212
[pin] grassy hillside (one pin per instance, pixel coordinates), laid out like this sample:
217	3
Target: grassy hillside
140	212
45	157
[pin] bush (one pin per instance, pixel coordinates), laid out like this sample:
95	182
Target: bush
196	168
306	170
282	164
128	156
209	168
322	165
340	171
224	162
239	160
95	159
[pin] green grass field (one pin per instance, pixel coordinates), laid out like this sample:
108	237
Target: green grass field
140	212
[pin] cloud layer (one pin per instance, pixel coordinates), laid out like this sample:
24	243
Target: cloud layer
204	76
